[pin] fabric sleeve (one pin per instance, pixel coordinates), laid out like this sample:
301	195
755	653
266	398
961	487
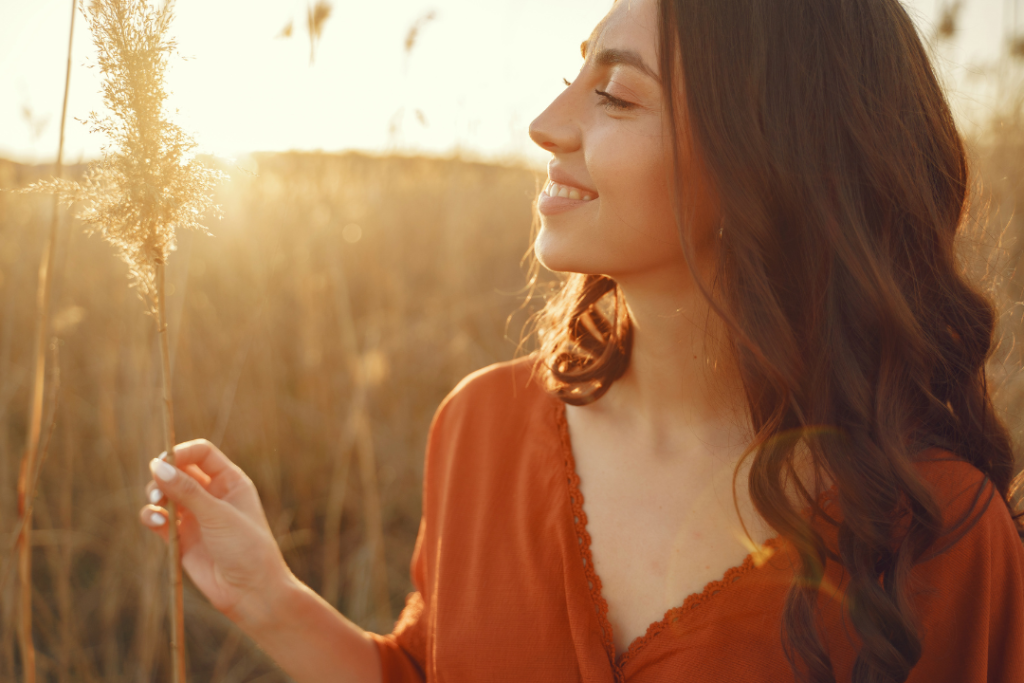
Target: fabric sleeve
972	604
403	651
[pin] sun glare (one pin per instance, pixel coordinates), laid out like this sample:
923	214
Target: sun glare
252	79
382	77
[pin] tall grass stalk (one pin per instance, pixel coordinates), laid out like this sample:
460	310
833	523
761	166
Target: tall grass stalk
357	435
174	547
27	476
146	185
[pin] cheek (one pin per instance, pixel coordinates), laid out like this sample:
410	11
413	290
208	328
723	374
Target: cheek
631	227
634	182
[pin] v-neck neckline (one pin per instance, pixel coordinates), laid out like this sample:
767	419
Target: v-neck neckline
673	614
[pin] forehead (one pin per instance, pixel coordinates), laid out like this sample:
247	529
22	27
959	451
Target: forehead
630	25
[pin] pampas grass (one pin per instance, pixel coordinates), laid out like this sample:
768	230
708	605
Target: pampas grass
147	185
316	17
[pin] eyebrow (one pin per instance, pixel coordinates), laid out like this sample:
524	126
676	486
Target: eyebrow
613	56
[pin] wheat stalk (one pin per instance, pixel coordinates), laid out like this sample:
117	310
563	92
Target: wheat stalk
146	185
29	464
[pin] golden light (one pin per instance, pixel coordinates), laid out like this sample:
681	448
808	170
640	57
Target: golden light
472	79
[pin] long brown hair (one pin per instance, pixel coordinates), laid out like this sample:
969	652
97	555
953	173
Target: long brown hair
842	181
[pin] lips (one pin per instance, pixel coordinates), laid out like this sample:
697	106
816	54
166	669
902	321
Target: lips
558	198
568	192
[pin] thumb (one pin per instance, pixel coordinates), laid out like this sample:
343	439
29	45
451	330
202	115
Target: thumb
177	485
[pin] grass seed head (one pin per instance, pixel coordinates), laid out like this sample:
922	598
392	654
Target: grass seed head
147	183
316	16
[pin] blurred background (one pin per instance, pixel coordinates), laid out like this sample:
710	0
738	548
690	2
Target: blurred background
368	259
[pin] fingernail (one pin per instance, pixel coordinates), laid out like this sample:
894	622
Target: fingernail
155	495
162	470
157	519
163	456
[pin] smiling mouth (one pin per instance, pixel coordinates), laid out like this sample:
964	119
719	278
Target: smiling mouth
567	192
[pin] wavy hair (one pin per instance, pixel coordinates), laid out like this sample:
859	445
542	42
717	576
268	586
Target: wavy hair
842	181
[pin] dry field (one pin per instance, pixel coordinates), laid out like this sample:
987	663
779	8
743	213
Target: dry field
427	252
262	368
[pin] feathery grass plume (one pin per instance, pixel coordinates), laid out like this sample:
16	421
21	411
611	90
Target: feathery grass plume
415	28
146	185
147	182
949	20
316	17
1017	47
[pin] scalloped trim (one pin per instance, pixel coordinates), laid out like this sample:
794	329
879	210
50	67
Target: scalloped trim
695	600
692	602
583	537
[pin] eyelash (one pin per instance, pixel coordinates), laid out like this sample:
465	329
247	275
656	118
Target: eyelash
614	102
609	100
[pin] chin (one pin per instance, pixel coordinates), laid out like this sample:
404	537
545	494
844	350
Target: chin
558	255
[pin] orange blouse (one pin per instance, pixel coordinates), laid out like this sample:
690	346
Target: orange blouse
506	590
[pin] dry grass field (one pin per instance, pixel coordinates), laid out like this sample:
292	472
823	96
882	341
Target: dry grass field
413	262
429	253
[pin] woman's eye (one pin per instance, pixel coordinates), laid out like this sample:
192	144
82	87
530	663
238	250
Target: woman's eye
613	102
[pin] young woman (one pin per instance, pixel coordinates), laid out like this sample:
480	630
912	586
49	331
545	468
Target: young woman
756	443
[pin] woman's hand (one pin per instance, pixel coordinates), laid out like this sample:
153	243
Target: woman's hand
227	546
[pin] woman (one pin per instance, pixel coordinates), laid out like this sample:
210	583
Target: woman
764	376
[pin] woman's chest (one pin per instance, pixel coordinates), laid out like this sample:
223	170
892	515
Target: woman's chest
513	596
511	576
658	536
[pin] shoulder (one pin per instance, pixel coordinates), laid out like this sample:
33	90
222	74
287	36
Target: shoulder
974	513
969	585
497	431
495	400
498	389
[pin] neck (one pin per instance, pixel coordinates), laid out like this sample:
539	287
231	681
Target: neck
682	389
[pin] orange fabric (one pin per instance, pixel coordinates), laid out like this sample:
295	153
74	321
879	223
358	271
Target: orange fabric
506	590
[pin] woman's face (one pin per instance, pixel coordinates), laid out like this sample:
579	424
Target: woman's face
610	210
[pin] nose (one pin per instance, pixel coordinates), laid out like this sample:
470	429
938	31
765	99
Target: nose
556	130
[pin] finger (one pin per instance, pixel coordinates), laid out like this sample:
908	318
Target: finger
197	474
154	519
200	454
184	490
153	493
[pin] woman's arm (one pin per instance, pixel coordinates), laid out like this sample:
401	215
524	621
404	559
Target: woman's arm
309	639
231	555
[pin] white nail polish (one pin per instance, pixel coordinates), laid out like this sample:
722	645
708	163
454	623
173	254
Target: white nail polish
155	495
162	456
157	519
163	470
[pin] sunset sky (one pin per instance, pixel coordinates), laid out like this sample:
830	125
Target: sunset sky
478	74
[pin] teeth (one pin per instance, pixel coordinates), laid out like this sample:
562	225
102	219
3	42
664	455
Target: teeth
566	192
